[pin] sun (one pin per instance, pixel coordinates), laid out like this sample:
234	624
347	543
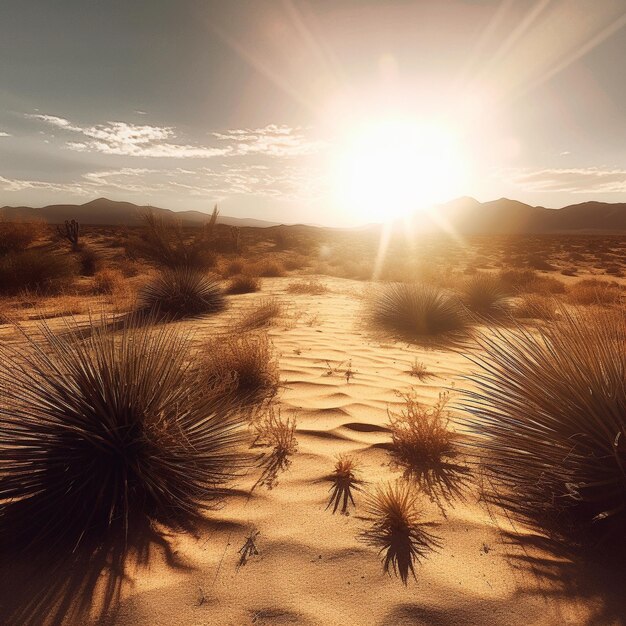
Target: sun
394	168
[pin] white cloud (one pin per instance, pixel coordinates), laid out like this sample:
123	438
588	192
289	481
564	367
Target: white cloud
3	134
572	180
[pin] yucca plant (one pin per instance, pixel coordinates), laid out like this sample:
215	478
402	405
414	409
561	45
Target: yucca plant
397	530
547	411
94	433
416	310
181	292
485	295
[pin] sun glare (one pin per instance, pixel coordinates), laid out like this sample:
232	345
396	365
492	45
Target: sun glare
392	169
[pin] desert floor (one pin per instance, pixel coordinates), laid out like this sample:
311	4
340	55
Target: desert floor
311	566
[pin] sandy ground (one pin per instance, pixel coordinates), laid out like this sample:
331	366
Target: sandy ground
312	568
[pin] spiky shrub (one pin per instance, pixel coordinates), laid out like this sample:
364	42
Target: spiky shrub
548	417
424	446
416	310
485	295
181	292
246	362
95	432
243	284
344	481
397	529
38	270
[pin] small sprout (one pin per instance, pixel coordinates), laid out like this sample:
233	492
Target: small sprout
344	480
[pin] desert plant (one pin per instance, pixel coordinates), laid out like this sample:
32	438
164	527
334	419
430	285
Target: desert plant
233	267
419	370
107	280
547	413
181	292
536	306
593	291
278	433
269	268
312	286
425	448
246	361
261	315
484	294
90	261
243	284
96	432
416	310
70	231
397	530
344	481
166	243
36	269
18	235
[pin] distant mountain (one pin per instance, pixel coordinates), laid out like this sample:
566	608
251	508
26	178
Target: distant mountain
504	216
464	215
111	213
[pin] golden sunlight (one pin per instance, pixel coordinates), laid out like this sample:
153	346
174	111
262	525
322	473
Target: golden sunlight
393	168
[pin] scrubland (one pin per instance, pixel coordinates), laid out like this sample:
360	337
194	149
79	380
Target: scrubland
307	426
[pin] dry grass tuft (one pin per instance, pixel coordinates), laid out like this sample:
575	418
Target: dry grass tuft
397	530
312	286
268	268
243	283
345	480
416	310
262	315
181	292
419	370
248	361
94	433
548	416
593	291
537	307
485	295
16	236
277	432
108	281
425	448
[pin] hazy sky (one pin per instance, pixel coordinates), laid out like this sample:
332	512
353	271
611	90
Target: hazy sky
254	104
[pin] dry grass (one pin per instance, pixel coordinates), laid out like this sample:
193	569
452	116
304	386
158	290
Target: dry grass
312	286
243	283
181	292
18	235
536	306
247	362
108	281
425	448
548	416
419	370
277	432
593	291
397	530
416	310
485	295
262	315
268	268
96	432
344	480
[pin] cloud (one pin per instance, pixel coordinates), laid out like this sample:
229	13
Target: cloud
126	139
3	134
572	180
273	140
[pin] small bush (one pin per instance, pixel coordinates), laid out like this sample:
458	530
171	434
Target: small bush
182	292
243	284
90	261
536	306
108	280
17	236
485	295
397	529
247	362
592	291
416	310
311	286
233	267
37	269
269	268
547	417
344	480
96	432
425	448
261	315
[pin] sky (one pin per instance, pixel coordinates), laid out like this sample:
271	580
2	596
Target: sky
321	111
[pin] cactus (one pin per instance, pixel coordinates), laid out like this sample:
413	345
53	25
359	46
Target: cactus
71	232
235	234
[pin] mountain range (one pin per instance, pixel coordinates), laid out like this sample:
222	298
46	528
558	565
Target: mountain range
464	215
